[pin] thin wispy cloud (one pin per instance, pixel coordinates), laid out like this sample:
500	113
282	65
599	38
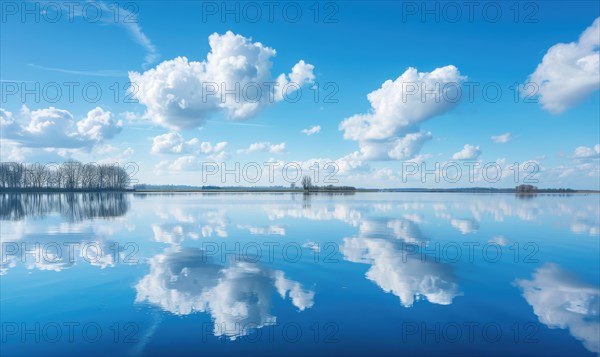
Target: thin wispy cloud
98	73
502	139
130	22
14	80
315	129
240	124
264	146
127	20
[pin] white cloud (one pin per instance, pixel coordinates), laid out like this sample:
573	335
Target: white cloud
409	145
193	151
315	129
561	300
182	94
56	128
584	152
569	71
99	125
133	117
469	152
391	129
172	143
210	149
109	154
302	73
264	147
502	138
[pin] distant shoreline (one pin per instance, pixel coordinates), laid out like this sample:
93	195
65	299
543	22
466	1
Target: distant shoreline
266	190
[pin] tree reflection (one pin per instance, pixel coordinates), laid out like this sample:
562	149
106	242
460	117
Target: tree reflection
72	206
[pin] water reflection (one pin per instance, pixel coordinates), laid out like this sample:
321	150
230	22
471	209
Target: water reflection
72	206
39	240
465	226
238	295
190	222
263	230
373	232
562	300
351	215
57	251
382	244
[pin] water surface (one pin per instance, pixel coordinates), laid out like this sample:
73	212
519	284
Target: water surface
264	274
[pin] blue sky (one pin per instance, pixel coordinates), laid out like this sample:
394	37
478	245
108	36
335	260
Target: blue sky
171	124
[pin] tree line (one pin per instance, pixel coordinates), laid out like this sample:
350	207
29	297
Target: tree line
71	175
526	189
307	185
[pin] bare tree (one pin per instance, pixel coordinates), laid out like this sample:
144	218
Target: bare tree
72	170
37	175
87	175
306	183
12	174
70	175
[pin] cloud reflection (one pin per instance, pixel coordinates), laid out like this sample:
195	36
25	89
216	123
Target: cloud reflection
382	244
561	300
238	296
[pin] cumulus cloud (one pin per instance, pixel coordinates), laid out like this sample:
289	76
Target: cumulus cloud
99	125
193	151
210	149
469	152
405	147
502	138
6	118
391	129
561	300
57	128
171	143
315	129
264	147
179	93
584	152
569	71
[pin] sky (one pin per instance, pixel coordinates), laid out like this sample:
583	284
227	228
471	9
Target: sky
369	94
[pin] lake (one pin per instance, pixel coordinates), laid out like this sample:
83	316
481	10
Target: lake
320	274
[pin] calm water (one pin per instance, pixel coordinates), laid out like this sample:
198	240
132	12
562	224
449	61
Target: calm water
262	274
